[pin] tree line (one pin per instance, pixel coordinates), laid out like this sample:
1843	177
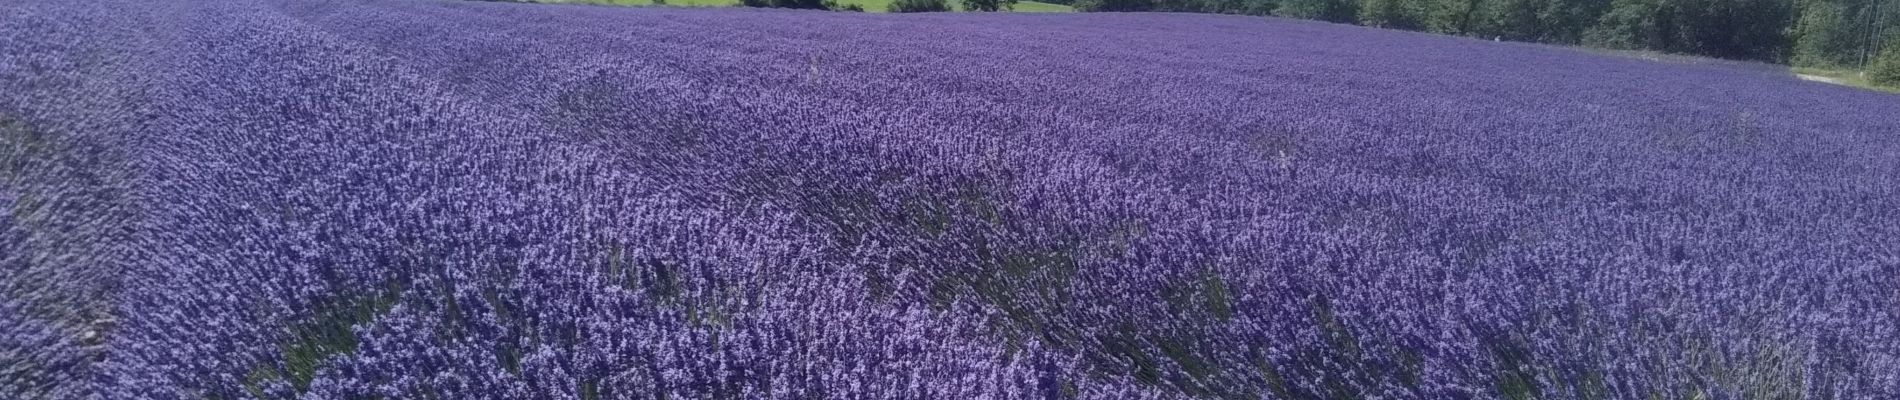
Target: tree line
1818	33
896	6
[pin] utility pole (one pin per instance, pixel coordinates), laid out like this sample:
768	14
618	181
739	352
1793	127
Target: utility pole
1873	35
1880	37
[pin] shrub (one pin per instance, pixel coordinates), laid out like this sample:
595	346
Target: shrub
912	6
988	5
801	4
1113	5
1885	70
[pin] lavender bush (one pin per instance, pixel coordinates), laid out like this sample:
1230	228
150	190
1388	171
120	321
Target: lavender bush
393	199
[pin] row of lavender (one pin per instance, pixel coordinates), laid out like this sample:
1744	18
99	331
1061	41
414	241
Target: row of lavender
460	200
68	102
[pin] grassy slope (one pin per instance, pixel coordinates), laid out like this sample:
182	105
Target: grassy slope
1849	78
869	5
1841	77
679	3
1032	6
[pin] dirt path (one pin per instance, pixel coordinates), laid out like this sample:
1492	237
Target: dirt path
1818	78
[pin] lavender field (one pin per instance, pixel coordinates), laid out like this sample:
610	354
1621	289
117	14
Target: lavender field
465	200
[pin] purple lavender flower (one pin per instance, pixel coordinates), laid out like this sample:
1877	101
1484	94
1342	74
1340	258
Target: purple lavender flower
353	199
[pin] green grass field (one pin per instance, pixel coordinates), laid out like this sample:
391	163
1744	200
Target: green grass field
1849	78
869	5
1033	6
676	3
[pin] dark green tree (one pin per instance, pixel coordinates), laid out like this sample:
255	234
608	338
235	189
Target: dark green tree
988	5
1393	14
1842	33
802	4
1456	17
1826	33
1885	70
1114	5
1567	20
911	6
1824	37
1630	25
1258	7
1517	20
1324	10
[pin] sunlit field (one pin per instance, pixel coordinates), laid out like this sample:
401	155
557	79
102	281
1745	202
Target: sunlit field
469	200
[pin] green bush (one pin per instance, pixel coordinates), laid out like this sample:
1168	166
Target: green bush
911	6
802	4
1886	68
1113	5
989	5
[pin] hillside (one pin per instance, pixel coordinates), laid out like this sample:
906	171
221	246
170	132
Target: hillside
464	200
